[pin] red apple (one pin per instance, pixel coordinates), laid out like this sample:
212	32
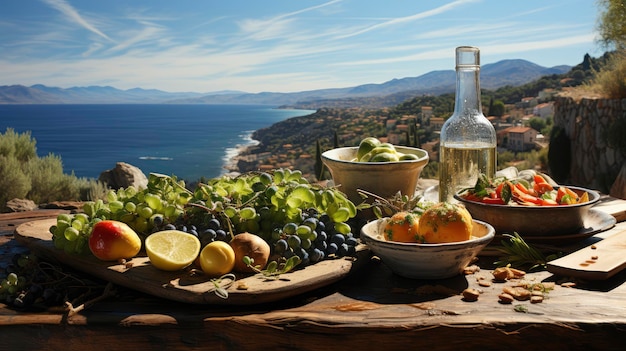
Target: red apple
113	240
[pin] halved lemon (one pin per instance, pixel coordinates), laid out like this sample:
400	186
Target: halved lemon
172	250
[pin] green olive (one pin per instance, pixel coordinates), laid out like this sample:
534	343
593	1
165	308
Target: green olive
366	145
408	157
377	150
387	145
385	157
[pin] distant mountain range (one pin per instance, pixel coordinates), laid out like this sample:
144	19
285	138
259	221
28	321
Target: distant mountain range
492	76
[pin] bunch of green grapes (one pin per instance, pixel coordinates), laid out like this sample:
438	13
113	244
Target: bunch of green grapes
28	283
11	284
280	206
145	210
22	282
292	215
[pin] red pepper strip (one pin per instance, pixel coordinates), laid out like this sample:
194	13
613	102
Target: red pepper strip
493	201
540	185
499	190
542	188
520	196
548	202
471	197
525	190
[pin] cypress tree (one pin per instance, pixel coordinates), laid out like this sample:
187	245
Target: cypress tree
319	166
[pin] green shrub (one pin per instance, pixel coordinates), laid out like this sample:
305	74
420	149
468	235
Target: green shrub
47	180
25	175
505	158
18	146
610	80
543	158
528	160
14	183
90	189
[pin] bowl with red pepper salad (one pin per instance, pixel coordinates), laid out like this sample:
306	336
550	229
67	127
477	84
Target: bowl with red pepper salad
530	206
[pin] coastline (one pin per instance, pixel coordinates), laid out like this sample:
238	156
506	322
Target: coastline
245	151
234	154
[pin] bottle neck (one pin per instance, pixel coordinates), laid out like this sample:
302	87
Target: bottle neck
467	101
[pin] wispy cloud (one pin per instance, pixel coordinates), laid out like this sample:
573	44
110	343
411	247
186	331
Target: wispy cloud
399	20
508	48
199	47
275	27
518	47
71	13
147	33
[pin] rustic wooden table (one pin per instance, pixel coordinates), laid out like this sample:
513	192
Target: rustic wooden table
370	309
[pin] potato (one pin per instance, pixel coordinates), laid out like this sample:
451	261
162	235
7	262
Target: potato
253	246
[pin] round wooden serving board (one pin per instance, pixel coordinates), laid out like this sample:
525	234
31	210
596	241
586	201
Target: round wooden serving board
183	286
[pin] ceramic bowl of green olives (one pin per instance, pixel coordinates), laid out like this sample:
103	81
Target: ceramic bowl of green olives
378	168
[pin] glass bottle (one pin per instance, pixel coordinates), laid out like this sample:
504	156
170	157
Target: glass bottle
467	145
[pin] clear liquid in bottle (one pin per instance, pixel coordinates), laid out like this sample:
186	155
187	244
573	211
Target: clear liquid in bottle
467	145
464	164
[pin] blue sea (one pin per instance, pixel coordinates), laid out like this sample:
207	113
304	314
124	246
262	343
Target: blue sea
189	141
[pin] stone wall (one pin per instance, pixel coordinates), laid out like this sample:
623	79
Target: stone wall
594	164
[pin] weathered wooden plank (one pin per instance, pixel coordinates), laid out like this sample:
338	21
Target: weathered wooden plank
616	207
10	221
182	286
370	309
600	260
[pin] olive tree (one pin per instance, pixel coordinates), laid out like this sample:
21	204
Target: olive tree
612	23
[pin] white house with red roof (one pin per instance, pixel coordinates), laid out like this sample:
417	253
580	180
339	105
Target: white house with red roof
517	138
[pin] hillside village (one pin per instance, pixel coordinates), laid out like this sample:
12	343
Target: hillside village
280	147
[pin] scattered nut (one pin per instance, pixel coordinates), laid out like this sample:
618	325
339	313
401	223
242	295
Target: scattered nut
536	299
506	273
505	298
470	294
594	257
484	283
519	293
593	247
500	274
471	269
242	286
517	273
568	284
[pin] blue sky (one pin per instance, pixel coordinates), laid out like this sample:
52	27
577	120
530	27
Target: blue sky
277	45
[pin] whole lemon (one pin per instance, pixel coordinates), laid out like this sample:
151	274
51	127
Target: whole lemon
217	258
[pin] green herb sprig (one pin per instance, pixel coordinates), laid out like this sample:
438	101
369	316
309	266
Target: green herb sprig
519	254
273	270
